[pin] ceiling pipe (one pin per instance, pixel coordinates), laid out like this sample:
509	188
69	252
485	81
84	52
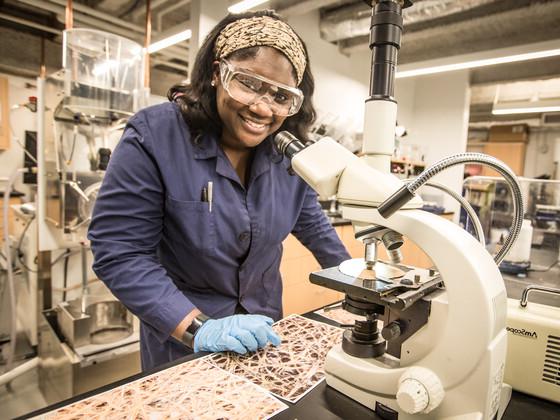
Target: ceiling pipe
101	15
136	13
18	71
43	66
303	7
29	24
504	28
68	15
147	42
34	25
163	12
182	56
173	52
338	25
97	23
101	20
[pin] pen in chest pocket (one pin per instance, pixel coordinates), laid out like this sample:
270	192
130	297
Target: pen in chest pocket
204	195
207	194
210	195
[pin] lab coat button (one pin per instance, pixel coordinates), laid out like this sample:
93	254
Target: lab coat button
244	236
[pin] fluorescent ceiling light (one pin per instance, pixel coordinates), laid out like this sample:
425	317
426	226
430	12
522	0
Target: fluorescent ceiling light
171	40
245	5
527	107
526	110
478	63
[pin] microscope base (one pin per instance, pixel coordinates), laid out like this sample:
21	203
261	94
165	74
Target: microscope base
346	374
382	405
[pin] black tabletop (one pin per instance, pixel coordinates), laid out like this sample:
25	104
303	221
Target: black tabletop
325	403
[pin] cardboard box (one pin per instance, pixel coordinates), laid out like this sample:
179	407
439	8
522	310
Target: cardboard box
509	133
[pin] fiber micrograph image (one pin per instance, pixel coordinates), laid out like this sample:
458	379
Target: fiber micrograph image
292	369
192	390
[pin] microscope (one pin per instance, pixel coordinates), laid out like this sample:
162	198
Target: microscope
433	344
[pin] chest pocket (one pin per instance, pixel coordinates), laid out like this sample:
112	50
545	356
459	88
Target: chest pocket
190	225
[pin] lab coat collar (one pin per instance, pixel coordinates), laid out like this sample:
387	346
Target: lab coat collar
261	161
206	147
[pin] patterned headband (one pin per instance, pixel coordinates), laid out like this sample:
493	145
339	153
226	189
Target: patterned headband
262	31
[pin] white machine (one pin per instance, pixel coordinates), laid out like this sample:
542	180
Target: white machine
441	350
534	329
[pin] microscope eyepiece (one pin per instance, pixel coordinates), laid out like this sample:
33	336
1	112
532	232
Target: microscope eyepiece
288	144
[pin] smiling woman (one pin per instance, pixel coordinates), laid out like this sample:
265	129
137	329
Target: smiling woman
241	37
188	225
247	112
265	48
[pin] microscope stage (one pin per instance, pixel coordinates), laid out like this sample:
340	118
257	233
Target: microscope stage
398	285
380	272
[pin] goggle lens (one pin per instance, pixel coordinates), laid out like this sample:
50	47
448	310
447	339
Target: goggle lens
249	88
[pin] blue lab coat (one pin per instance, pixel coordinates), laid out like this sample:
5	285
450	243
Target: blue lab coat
162	252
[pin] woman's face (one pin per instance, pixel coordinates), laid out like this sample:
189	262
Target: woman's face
246	126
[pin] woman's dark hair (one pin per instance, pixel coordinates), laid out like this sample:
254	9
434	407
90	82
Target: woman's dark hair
197	100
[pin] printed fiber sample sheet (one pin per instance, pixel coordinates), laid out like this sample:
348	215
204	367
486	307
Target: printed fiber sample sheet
192	390
295	367
337	314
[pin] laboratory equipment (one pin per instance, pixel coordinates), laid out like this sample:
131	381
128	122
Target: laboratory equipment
102	322
68	369
534	329
539	242
440	349
83	108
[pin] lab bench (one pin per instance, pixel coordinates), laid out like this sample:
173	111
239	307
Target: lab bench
325	403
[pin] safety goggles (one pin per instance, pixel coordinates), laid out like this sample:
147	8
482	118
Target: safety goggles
249	88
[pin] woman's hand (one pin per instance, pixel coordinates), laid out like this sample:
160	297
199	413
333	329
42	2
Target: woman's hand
238	333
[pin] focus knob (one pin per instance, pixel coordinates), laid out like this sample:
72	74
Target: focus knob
412	396
391	331
420	391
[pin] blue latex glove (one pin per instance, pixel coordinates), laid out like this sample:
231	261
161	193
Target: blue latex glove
238	333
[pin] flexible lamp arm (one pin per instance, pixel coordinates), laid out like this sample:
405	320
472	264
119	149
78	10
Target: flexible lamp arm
406	192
